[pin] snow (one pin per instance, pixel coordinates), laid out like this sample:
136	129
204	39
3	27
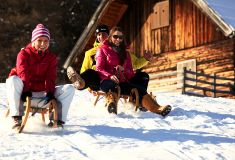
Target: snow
197	128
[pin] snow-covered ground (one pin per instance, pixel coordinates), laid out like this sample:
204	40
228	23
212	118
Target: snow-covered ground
196	129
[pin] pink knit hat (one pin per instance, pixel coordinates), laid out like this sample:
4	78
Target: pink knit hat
39	31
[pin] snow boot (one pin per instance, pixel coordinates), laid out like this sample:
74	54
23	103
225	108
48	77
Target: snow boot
59	123
75	78
150	104
111	102
59	116
17	122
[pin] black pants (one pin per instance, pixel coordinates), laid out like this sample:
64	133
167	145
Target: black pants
92	79
139	81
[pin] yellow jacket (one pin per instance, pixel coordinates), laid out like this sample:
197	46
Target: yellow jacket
89	61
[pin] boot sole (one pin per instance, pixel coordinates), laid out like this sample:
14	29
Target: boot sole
75	78
112	108
166	111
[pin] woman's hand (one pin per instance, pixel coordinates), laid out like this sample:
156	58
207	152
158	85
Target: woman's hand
119	68
114	78
148	55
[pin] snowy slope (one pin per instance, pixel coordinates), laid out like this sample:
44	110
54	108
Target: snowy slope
197	128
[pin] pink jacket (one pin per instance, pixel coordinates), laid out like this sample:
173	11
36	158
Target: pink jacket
106	61
38	73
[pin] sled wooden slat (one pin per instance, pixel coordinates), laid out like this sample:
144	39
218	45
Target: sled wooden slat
52	107
27	110
8	112
98	94
134	98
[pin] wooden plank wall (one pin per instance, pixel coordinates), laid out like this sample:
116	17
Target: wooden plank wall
217	57
189	27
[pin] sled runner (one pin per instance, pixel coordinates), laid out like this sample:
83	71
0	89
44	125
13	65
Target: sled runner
36	105
133	97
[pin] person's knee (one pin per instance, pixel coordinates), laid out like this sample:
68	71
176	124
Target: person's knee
107	85
89	73
69	89
145	75
15	81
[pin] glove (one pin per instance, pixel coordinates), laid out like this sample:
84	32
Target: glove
50	96
25	94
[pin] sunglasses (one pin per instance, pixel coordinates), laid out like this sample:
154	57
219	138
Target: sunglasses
118	36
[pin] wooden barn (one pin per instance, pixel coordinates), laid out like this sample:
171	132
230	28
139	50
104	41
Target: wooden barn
194	34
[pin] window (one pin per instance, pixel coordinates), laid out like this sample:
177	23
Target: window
160	15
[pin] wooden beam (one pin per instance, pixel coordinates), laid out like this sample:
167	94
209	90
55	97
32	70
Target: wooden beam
86	34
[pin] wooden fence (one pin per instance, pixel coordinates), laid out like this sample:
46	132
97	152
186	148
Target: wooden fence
199	84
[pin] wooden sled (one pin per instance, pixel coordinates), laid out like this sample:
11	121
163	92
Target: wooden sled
133	97
50	107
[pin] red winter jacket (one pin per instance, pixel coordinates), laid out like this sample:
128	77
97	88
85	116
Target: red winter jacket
106	61
38	73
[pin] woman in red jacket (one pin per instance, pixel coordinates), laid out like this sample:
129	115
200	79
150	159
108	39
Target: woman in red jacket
35	75
114	66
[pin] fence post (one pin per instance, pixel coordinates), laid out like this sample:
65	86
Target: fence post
184	80
214	86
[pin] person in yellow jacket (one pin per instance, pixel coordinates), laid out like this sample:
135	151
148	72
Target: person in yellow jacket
88	75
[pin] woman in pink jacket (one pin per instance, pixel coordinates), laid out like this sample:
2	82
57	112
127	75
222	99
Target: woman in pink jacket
115	68
35	76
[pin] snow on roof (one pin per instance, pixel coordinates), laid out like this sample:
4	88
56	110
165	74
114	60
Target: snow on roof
225	9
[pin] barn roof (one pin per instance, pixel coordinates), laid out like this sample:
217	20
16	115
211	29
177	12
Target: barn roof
221	12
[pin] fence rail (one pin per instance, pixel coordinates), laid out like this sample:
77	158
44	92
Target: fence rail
208	87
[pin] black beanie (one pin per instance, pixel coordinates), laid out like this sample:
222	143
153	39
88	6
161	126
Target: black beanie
102	28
